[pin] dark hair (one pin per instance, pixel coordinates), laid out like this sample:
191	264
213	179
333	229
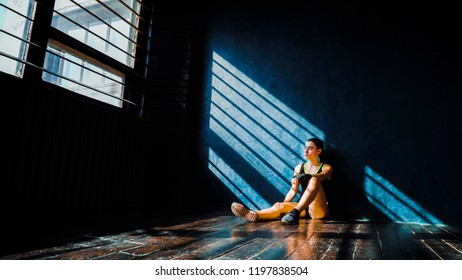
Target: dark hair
318	142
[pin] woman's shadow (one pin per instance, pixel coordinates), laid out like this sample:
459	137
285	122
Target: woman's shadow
347	200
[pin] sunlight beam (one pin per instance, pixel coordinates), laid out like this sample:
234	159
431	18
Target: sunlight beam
393	202
267	134
227	175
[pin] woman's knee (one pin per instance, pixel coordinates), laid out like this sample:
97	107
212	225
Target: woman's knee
277	205
313	184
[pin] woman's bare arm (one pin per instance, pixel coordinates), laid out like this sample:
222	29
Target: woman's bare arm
325	173
294	187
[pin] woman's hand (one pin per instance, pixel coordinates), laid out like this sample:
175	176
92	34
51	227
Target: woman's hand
302	178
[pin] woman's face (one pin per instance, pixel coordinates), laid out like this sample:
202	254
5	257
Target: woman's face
311	151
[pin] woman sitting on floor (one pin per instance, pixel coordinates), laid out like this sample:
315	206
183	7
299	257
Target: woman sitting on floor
309	176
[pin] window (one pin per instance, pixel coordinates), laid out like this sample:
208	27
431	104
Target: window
93	48
69	69
108	26
15	26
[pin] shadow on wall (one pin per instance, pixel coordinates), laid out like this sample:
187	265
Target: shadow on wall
395	204
256	141
266	138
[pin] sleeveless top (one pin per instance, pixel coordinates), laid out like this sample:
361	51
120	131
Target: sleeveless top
302	171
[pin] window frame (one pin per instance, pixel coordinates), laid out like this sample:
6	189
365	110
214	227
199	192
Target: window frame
43	32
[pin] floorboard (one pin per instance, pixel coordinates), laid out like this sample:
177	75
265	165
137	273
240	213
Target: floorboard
221	236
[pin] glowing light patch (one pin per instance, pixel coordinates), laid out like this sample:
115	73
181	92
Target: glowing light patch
244	191
393	202
267	134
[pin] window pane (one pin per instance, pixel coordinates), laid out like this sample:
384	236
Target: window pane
13	28
69	69
108	27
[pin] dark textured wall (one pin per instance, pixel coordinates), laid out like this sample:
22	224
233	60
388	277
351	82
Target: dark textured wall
380	81
70	161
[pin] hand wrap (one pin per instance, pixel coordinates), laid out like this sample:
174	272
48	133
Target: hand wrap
303	178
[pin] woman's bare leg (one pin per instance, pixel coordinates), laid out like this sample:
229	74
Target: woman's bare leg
314	199
275	212
319	208
272	213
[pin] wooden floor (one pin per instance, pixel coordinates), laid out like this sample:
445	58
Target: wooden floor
223	236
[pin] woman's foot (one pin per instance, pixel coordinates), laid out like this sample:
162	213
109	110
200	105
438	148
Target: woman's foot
241	211
292	217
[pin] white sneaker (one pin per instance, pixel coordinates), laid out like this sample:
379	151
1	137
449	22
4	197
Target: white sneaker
241	211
